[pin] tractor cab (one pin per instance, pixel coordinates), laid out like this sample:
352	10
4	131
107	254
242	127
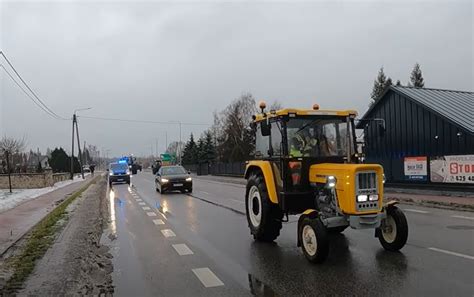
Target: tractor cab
293	140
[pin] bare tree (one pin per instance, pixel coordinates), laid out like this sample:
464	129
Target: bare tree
8	147
276	105
12	145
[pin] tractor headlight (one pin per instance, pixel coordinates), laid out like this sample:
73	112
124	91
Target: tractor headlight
373	197
330	182
189	179
362	198
164	180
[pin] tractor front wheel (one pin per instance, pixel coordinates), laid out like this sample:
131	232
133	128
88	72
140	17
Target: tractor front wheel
393	232
314	240
263	216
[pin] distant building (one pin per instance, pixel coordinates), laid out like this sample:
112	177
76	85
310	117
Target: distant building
421	135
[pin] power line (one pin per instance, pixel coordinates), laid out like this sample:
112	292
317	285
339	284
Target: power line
52	113
143	121
24	91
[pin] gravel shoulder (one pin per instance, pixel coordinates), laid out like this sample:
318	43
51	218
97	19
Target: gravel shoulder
76	263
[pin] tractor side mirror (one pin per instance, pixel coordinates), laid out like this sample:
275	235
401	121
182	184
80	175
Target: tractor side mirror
265	127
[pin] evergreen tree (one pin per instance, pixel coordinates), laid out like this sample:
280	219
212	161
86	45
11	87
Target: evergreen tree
200	151
379	85
209	147
416	77
190	151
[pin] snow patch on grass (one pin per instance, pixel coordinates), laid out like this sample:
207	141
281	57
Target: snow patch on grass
10	200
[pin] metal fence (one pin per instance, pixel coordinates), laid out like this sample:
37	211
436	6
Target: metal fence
218	168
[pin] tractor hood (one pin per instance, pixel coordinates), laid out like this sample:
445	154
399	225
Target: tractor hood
351	180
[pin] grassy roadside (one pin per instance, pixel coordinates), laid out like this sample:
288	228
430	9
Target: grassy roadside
40	239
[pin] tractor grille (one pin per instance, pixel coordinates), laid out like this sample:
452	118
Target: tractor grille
366	183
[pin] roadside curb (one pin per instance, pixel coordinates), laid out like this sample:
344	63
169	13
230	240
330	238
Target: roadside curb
434	204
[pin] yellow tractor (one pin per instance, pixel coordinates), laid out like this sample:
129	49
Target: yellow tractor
306	163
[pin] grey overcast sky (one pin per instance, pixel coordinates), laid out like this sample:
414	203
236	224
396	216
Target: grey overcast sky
181	61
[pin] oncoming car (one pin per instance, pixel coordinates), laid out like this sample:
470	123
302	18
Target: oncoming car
119	172
171	178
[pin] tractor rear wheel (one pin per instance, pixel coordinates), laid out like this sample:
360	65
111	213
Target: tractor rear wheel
263	216
314	240
393	232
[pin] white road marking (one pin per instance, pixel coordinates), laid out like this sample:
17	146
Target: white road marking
463	217
151	214
141	203
168	233
138	200
182	249
452	253
415	210
146	208
207	277
204	192
158	222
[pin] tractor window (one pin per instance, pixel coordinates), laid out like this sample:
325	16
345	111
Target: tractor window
262	144
276	138
318	137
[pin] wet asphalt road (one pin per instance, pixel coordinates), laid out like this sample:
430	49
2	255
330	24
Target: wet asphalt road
438	259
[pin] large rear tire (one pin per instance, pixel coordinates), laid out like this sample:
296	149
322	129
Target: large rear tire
393	233
314	240
263	216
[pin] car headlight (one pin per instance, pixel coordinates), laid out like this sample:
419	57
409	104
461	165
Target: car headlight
111	173
383	177
127	172
164	180
331	182
189	179
373	197
362	198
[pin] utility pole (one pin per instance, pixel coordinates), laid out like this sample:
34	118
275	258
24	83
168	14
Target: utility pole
72	147
156	145
74	122
166	137
79	147
179	143
7	155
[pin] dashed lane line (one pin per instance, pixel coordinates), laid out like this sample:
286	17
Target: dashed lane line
141	203
182	249
451	253
463	217
415	210
204	192
168	233
151	214
207	277
146	208
158	222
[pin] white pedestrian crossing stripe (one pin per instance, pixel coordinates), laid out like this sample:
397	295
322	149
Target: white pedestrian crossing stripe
158	222
146	208
207	277
151	214
168	233
182	249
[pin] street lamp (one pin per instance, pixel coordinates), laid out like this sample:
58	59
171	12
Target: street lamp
74	122
179	143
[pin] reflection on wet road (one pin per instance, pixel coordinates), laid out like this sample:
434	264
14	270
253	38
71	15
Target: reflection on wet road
204	243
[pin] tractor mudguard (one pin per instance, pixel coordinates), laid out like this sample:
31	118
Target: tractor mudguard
387	205
312	213
266	169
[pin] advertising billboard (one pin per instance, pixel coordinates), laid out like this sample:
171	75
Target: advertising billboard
416	168
452	169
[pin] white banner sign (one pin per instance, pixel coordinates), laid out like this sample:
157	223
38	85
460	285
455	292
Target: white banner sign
452	169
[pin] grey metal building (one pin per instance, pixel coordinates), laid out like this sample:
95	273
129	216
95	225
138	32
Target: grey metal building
407	122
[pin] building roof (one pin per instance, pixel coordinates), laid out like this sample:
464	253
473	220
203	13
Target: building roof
456	106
